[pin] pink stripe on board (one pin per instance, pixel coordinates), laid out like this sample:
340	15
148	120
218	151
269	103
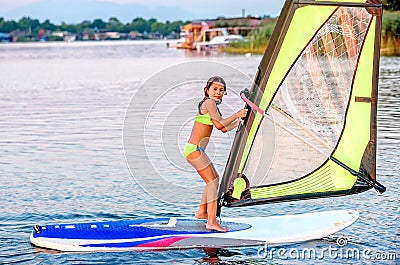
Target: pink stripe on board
163	242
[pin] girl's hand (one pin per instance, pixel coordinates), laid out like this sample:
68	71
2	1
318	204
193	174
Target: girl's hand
242	113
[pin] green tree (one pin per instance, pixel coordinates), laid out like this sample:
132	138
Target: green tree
47	25
114	24
99	24
152	20
391	24
140	25
69	28
176	26
391	4
7	26
29	25
160	28
81	27
32	26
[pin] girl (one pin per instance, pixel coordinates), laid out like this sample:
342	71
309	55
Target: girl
208	116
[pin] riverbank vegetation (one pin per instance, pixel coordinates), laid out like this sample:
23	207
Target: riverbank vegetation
390	41
255	42
28	29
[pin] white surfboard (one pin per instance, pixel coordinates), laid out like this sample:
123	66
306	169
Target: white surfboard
183	233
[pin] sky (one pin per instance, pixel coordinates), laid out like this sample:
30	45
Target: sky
75	11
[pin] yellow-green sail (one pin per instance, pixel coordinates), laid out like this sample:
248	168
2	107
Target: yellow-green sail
317	83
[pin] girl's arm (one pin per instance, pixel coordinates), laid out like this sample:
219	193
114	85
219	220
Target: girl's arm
223	125
231	126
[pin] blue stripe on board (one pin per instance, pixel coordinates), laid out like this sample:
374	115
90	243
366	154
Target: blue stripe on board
123	230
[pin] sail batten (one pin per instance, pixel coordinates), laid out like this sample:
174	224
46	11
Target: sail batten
319	139
311	131
298	136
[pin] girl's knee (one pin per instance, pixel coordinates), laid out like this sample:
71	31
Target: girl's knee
213	182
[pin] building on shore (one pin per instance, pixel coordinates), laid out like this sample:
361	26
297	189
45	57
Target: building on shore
200	32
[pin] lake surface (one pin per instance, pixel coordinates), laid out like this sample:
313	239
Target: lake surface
67	110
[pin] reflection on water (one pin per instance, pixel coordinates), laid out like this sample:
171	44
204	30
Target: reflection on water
62	156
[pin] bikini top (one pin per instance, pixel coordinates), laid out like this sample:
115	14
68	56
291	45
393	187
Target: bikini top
204	119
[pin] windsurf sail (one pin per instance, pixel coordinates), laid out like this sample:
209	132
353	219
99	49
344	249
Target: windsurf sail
311	128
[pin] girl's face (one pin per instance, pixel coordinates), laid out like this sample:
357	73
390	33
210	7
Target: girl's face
216	91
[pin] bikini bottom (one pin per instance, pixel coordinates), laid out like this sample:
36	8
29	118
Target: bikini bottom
190	148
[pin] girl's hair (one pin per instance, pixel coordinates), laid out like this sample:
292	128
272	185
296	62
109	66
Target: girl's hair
213	79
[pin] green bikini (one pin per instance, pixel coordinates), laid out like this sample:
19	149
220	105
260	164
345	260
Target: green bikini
204	119
189	147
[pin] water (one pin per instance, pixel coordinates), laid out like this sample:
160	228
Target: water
62	159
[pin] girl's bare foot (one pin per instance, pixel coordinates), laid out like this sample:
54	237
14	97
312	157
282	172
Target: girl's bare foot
217	227
200	215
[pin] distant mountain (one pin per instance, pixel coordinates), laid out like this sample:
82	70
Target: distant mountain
76	11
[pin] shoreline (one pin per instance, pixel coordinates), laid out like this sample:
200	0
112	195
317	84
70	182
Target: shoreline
390	46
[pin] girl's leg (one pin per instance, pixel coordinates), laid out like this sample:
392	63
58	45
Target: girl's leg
206	170
202	211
